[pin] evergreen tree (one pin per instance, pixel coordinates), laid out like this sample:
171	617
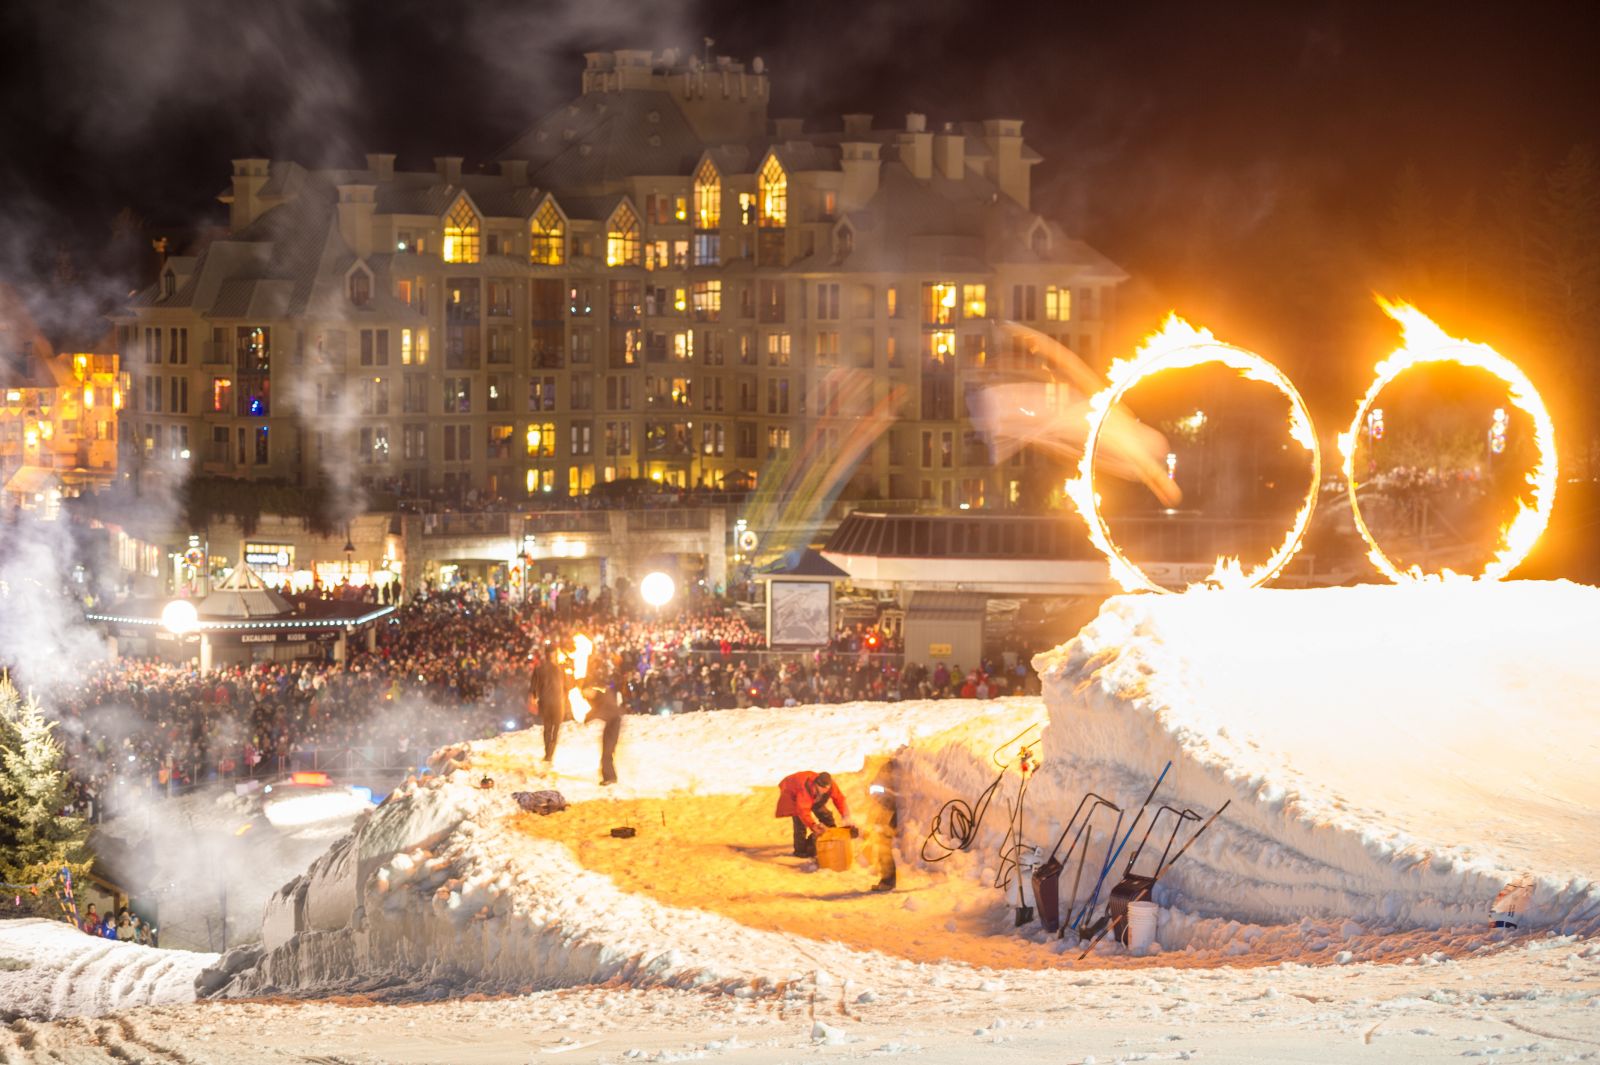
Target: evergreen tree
36	838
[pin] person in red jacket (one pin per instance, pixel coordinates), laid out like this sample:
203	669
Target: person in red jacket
803	797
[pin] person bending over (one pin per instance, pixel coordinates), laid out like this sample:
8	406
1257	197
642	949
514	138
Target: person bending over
803	797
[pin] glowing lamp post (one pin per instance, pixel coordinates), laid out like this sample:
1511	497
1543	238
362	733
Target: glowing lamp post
657	589
180	617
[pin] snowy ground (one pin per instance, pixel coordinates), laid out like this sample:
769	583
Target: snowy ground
1394	757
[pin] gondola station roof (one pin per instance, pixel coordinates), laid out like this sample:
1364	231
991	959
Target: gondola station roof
244	607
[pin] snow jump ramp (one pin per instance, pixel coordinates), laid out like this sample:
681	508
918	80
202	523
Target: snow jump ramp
1394	756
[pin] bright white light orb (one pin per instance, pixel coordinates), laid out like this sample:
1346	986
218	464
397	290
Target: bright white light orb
179	617
657	589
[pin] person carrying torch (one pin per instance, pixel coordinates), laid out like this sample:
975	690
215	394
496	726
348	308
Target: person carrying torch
593	700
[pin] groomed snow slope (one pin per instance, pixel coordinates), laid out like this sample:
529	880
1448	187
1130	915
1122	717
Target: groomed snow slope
1395	756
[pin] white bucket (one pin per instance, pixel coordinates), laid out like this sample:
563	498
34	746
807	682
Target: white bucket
1141	926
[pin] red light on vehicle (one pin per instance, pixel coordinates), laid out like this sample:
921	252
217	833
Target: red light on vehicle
319	779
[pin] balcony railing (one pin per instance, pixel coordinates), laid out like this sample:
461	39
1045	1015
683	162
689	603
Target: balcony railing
477	524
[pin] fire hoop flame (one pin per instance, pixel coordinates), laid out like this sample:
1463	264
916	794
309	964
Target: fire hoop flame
1177	346
1422	343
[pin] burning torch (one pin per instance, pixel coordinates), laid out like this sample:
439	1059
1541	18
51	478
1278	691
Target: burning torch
582	646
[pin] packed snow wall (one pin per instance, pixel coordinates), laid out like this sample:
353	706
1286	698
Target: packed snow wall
437	890
1394	757
1394	754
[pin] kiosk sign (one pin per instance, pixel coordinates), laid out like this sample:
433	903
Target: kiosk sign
269	556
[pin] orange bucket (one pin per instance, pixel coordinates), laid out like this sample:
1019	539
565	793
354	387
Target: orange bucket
833	849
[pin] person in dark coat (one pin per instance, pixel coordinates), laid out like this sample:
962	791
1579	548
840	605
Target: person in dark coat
803	797
550	691
604	706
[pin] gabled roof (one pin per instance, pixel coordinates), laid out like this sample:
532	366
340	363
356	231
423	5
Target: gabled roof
244	595
804	562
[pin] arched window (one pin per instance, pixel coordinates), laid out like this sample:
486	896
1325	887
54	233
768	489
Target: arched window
549	232
461	232
360	288
622	238
772	203
1040	239
707	197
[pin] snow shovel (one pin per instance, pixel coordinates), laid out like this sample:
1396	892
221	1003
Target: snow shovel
1047	878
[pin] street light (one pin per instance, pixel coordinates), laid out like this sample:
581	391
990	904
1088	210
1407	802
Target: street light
657	589
180	617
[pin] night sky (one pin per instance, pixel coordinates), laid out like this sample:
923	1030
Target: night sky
1238	158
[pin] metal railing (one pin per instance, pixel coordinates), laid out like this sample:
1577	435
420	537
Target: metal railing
475	523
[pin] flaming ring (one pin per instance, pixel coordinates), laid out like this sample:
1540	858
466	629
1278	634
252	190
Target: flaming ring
1205	350
1518	538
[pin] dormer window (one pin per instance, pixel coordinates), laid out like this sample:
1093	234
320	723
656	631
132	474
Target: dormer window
461	234
360	287
1039	239
622	238
772	212
844	242
548	232
773	195
169	284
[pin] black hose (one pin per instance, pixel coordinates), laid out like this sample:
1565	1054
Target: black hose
961	820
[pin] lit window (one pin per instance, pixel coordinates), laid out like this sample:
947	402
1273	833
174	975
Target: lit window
461	234
772	198
707	197
622	238
974	301
548	246
707	297
405	347
1058	304
541	440
938	303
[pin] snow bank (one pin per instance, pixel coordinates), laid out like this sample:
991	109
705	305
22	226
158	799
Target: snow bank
1394	755
437	889
53	970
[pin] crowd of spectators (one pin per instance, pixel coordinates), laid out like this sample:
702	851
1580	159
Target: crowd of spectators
453	666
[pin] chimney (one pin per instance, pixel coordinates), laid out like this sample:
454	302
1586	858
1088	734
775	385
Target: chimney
916	123
381	166
1011	172
788	129
857	125
244	205
633	68
449	167
356	205
950	152
916	149
514	171
859	162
